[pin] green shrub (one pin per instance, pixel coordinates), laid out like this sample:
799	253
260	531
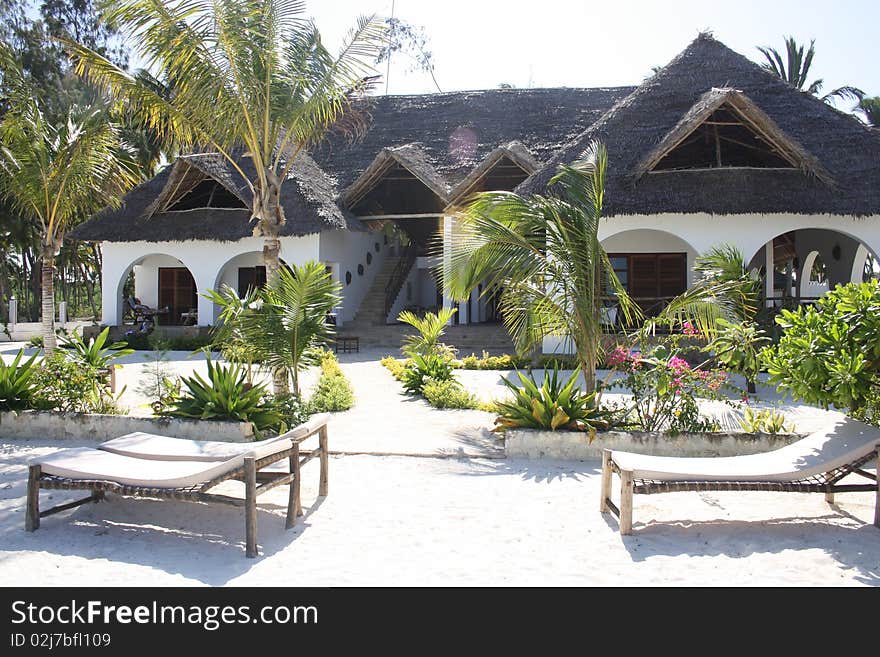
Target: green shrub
16	385
60	384
487	362
334	391
551	405
96	353
829	354
395	366
226	395
448	394
421	368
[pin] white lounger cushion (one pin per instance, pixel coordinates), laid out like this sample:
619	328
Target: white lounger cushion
820	452
165	448
95	464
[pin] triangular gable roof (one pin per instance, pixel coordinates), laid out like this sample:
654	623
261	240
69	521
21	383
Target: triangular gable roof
514	151
411	158
752	116
635	127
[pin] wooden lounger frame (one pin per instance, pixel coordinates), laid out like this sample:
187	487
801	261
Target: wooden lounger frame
256	483
825	483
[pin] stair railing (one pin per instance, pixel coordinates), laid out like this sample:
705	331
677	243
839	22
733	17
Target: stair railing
398	277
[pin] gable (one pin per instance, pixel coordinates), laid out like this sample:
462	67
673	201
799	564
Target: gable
725	129
206	193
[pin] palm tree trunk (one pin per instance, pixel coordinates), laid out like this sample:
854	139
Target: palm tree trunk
48	292
270	219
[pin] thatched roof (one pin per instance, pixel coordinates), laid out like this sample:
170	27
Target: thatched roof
822	143
412	158
308	198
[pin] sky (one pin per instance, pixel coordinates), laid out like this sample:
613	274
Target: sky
479	44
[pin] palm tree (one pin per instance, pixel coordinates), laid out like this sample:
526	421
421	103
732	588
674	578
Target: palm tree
430	329
57	174
870	107
543	252
287	320
247	77
795	69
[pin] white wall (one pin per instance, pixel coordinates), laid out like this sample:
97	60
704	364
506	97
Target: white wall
204	259
146	277
348	249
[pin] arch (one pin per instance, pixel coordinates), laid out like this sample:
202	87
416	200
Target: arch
147	286
651	240
842	252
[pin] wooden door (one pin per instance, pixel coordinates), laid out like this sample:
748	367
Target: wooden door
177	292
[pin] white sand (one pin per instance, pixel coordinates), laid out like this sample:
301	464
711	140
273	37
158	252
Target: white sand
392	520
425	521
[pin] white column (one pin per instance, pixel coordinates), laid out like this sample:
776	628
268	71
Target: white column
475	304
768	273
447	256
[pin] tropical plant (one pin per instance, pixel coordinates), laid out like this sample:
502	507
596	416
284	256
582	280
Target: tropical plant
543	254
15	382
245	75
64	385
829	354
552	404
226	334
448	394
870	107
287	321
430	329
764	421
664	389
738	348
487	362
291	409
57	173
96	353
225	395
422	368
795	69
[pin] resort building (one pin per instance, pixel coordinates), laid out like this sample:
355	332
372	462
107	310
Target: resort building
710	150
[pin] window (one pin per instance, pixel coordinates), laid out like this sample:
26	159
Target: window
650	277
250	278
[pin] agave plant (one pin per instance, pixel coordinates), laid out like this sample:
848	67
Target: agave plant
226	395
551	405
15	382
96	352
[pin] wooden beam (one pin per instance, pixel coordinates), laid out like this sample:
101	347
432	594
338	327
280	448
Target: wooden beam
250	507
606	481
32	515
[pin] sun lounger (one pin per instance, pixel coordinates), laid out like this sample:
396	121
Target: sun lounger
141	465
815	464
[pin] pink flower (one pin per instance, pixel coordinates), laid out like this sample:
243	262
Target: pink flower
678	365
618	357
690	329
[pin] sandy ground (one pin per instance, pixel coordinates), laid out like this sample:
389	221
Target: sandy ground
470	518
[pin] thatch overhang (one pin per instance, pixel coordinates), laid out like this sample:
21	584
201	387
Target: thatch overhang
308	199
833	144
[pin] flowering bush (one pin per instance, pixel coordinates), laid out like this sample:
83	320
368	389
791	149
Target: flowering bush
665	389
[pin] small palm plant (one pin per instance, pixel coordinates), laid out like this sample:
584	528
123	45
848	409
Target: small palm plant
287	322
430	329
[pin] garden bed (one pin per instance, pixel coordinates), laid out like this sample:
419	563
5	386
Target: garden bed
575	445
59	426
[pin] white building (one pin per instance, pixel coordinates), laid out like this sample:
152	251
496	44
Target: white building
711	150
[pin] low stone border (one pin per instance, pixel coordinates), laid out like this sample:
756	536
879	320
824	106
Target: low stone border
574	445
61	426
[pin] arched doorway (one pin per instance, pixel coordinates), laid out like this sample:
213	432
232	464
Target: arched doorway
162	282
